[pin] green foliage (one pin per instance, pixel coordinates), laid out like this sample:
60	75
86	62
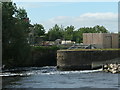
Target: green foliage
15	29
69	33
21	13
55	33
37	34
44	48
95	29
100	29
77	36
38	30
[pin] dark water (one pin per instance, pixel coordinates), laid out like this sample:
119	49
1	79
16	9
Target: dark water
50	77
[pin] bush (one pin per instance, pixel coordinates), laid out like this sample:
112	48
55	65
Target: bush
44	48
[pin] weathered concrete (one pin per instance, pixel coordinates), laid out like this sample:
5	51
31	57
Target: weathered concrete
101	40
85	59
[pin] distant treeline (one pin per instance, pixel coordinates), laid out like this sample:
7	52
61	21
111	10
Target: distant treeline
70	33
16	28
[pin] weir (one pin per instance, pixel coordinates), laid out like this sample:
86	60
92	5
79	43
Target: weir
86	59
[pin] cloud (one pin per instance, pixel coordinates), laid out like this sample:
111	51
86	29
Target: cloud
99	16
28	5
108	20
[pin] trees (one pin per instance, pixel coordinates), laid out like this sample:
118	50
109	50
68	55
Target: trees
68	32
100	29
7	31
21	13
95	29
21	30
15	30
37	34
38	30
55	33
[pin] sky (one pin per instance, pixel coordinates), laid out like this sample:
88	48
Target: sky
78	14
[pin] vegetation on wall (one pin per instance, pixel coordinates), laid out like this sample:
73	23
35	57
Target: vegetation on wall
44	48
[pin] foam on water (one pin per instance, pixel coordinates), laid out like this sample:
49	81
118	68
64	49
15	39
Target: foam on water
71	72
48	70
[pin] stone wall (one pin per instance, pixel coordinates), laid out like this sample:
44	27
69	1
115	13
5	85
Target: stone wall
83	59
44	58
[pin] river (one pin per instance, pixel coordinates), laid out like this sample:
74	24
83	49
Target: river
50	77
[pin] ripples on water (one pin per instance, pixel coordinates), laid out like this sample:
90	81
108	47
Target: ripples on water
50	77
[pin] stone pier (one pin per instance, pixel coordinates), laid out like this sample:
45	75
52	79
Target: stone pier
86	59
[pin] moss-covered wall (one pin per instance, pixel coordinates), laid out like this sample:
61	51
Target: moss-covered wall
38	56
44	56
83	59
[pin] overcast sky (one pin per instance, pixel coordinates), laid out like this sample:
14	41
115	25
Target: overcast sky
79	14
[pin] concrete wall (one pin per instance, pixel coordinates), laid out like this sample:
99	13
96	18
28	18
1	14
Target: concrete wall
107	40
90	38
115	40
80	60
101	40
110	40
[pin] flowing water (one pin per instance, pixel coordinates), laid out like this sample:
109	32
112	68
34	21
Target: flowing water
50	77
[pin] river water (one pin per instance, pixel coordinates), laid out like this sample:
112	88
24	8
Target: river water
50	77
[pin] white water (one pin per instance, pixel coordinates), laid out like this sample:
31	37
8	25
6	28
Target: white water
44	71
